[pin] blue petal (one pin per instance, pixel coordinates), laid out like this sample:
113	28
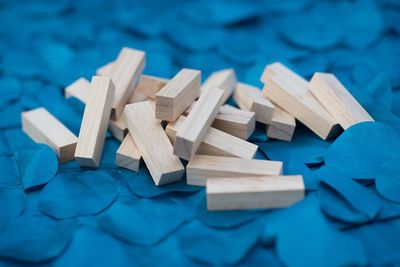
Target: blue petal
10	116
387	180
10	89
76	194
12	202
36	165
10	172
17	139
311	179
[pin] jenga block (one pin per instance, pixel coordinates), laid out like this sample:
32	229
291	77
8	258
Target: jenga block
224	80
118	128
282	125
42	127
105	70
136	97
94	122
152	143
125	74
234	121
200	168
78	89
338	100
128	155
178	94
150	85
196	125
250	98
216	142
289	91
254	192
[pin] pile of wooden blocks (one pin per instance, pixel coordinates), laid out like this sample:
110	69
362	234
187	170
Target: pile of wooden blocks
166	121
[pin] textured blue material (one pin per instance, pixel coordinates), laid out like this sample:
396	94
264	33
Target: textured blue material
56	214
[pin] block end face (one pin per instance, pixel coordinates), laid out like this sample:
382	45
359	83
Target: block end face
87	162
170	177
183	148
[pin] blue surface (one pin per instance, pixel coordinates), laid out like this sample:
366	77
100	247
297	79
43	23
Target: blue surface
67	216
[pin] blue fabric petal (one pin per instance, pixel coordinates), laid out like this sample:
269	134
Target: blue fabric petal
388	179
311	179
10	89
12	202
362	148
142	222
35	239
10	172
17	139
215	247
76	194
36	165
10	116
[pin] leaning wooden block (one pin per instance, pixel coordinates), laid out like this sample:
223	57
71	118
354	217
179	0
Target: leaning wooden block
152	143
42	127
254	192
237	122
224	80
94	122
150	85
196	125
282	125
216	142
178	94
289	91
118	128
128	155
78	89
250	98
200	168
125	74
105	70
338	100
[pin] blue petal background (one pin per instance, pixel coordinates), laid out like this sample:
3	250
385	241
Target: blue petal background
64	216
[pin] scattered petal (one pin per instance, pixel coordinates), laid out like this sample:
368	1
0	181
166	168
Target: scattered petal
387	180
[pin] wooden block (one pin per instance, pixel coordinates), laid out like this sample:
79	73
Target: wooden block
289	91
136	97
234	121
196	125
153	144
254	192
338	100
282	125
224	80
94	122
216	142
150	85
178	94
250	98
200	168
125	74
118	128
78	89
128	155
42	127
105	70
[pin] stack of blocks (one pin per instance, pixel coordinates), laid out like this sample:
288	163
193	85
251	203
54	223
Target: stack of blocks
199	127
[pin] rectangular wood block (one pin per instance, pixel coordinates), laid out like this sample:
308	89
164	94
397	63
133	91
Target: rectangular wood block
216	142
254	192
94	122
150	85
338	100
105	70
196	125
282	125
250	98
43	127
152	143
200	168
237	122
78	89
178	94
125	74
128	155
118	128
224	79
289	91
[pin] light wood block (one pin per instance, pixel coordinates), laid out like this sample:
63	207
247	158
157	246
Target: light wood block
289	91
152	143
136	97
178	94
216	142
128	155
250	98
200	168
106	69
338	100
78	89
254	192
118	128
150	85
196	125
282	125
125	74
43	127
224	80
94	122
234	121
